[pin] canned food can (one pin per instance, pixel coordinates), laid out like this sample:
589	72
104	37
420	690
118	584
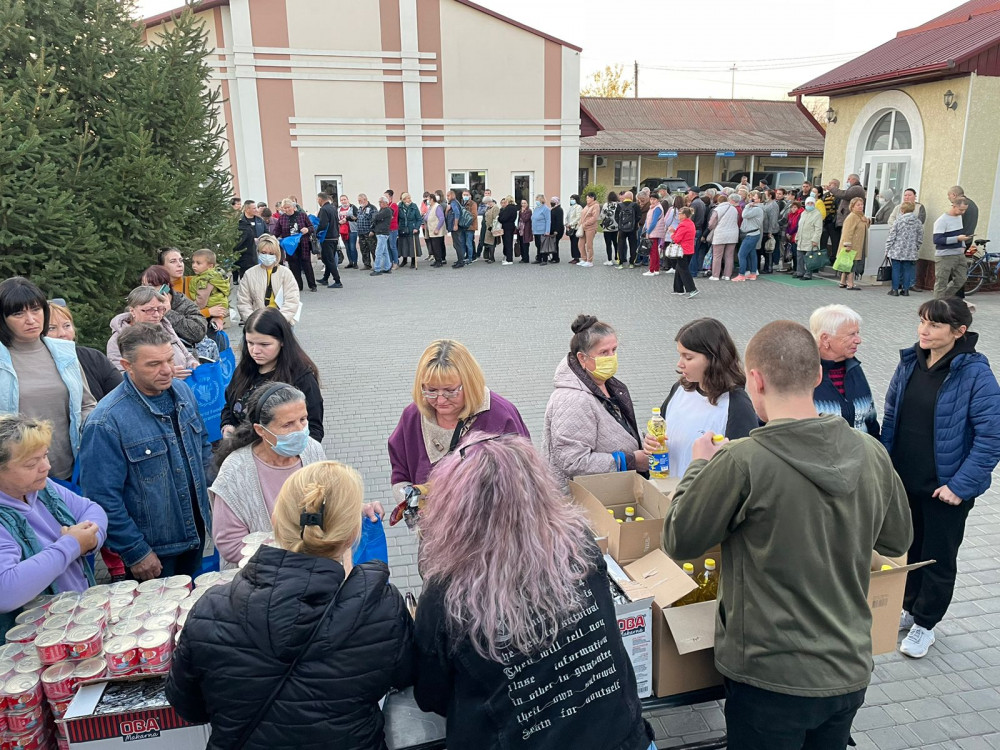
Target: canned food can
175	595
126	627
120	601
56	622
160	622
28	664
97	617
248	550
258	537
182	620
62	743
22	633
155	648
165	608
51	647
121	588
24	692
206	579
148	599
12	651
90	669
177	582
35	614
42	600
37	739
152	586
59	681
21	722
63	606
84	641
59	708
122	653
4	726
157	668
227	576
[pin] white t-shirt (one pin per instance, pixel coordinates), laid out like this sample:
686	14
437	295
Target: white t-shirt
689	414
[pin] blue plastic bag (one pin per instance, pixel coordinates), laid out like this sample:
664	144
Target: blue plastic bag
372	545
290	244
209	388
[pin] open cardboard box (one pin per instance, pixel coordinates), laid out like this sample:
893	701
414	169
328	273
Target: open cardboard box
597	493
635	623
885	598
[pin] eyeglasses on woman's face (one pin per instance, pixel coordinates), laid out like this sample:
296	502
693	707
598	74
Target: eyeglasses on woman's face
160	310
432	394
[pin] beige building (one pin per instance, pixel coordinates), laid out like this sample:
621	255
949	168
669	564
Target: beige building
350	97
920	111
627	141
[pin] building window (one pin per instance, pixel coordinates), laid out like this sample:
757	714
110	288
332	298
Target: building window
626	172
891	133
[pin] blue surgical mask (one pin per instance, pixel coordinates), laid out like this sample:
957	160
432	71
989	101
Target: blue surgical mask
572	202
291	445
810	207
537	204
465	197
266	259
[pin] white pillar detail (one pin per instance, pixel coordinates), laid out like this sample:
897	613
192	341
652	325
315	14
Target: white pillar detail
249	143
411	97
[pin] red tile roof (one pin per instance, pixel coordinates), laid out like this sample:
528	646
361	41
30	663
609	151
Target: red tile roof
960	41
700	125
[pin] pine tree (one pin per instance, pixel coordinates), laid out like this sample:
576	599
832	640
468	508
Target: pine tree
109	150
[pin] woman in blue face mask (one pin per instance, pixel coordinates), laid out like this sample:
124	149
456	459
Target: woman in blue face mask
268	447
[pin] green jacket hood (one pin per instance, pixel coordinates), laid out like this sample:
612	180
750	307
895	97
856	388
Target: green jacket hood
829	436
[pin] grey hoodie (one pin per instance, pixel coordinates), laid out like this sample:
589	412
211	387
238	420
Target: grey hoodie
798	506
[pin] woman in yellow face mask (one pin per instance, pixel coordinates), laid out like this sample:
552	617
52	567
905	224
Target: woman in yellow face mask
590	425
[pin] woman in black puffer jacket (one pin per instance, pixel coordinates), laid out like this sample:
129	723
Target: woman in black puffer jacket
241	639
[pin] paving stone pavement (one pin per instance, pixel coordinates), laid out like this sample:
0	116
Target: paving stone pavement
367	337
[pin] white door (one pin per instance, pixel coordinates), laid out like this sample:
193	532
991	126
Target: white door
887	175
332	185
522	186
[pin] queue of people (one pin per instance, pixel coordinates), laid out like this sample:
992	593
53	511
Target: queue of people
507	593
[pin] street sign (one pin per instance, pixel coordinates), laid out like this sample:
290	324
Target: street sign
779	154
667	155
725	153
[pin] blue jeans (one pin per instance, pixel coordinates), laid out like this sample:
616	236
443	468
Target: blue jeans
394	245
748	254
470	244
458	243
382	252
698	258
904	274
352	248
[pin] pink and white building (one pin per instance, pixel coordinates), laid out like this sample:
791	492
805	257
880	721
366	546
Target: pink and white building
362	95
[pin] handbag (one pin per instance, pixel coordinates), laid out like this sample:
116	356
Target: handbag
266	706
579	231
548	244
884	272
769	245
814	260
497	230
845	261
674	251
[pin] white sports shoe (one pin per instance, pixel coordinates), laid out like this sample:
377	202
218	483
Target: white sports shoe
651	273
713	278
905	620
609	262
669	270
506	263
584	264
917	642
726	278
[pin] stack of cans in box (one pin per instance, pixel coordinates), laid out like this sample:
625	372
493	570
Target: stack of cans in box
252	542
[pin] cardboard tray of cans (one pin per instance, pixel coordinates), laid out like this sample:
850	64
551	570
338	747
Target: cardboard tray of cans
73	638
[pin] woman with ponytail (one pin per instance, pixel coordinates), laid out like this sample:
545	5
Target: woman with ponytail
298	650
517	639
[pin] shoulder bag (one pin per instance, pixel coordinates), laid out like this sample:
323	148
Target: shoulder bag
266	706
674	251
884	272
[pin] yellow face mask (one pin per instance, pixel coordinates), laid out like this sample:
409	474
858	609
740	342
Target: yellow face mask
605	367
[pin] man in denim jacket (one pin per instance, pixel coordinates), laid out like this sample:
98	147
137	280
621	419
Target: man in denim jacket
146	460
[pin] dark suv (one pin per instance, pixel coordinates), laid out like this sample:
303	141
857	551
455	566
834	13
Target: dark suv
674	184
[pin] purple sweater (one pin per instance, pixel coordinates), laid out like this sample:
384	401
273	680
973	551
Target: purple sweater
59	561
406	444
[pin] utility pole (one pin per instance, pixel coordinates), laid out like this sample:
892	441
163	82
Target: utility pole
635	83
732	87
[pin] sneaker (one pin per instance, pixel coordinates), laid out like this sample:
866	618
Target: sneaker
678	293
375	273
713	278
335	285
506	263
751	277
651	273
609	262
905	620
917	642
670	270
694	294
741	277
585	264
726	278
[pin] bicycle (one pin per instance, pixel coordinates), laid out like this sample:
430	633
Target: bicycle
984	270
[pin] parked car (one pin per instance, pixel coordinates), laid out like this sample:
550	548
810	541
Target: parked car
674	184
789	180
717	186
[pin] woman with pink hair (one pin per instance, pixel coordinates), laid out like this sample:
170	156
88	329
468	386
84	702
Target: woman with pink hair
517	639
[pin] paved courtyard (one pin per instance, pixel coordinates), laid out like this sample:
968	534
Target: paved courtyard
367	337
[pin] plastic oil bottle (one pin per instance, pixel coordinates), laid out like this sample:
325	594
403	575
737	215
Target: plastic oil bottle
629	514
659	462
691	597
709	582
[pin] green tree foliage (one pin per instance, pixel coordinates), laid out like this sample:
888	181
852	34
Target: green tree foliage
109	150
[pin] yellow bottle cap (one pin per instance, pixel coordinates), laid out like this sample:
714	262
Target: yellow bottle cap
619	520
710	564
718	438
886	567
630	509
689	569
656	410
611	511
639	518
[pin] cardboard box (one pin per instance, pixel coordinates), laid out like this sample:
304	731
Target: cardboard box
148	724
885	598
597	493
635	623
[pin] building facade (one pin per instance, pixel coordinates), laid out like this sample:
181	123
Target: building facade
920	112
626	141
351	97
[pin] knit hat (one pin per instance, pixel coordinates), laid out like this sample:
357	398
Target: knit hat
554	199
809	200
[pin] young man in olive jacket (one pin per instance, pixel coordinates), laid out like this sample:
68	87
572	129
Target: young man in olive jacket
798	507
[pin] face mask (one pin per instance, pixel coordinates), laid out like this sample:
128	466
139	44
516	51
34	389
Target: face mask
290	445
810	207
605	367
465	198
266	259
572	202
537	204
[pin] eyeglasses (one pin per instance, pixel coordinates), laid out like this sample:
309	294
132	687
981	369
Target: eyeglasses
153	310
432	395
464	448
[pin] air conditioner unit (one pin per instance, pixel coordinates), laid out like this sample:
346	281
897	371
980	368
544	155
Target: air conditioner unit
602	161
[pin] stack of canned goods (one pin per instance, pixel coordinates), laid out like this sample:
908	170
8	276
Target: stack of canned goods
252	542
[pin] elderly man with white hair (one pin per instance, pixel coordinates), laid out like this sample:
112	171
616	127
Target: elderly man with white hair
844	388
380	229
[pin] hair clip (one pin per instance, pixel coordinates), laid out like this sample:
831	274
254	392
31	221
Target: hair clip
310	519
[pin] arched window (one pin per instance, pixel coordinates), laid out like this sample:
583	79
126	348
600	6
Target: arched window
890	133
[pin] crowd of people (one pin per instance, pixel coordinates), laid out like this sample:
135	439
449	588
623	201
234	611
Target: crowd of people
110	452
